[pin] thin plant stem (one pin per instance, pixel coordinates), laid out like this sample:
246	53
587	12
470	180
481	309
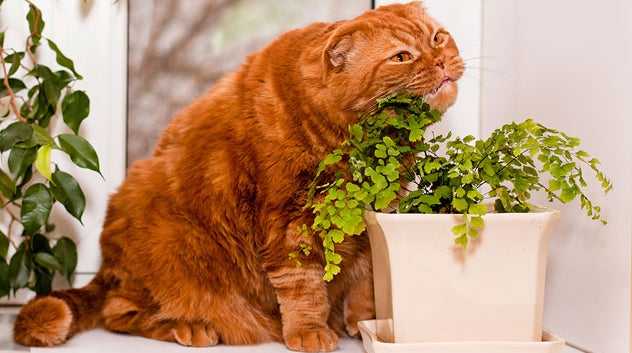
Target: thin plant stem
12	98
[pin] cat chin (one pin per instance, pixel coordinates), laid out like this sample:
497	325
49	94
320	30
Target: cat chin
444	98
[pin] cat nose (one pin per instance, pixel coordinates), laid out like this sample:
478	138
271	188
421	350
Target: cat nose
440	64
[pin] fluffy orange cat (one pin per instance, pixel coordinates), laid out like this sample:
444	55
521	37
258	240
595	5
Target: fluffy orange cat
195	243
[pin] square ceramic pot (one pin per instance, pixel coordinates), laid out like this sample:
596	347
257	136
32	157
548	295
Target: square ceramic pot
427	289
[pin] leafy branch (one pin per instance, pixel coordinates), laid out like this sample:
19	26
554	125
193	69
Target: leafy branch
37	94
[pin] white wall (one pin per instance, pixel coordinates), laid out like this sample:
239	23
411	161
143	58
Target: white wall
92	33
567	63
462	18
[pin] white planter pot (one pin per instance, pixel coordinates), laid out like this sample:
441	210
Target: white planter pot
429	290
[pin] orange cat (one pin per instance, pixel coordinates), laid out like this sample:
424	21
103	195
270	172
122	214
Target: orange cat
195	243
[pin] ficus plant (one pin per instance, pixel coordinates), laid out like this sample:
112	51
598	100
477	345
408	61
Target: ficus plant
33	96
388	164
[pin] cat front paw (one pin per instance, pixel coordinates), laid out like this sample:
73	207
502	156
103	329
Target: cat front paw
194	334
312	340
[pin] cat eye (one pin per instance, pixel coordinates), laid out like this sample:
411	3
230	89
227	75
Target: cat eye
402	57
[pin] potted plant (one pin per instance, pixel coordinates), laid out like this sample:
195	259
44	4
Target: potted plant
34	98
459	251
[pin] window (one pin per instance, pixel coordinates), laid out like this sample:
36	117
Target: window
178	48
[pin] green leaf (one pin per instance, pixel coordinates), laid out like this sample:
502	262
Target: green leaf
42	72
431	166
474	195
48	261
5	283
7	185
462	241
384	198
20	159
62	59
43	280
2	39
488	169
42	162
443	192
356	131
554	184
36	207
39	243
15	84
478	209
4	245
36	23
499	207
332	268
416	132
65	251
67	191
459	229
51	86
582	154
80	151
429	200
422	208
52	90
333	158
459	204
41	136
14	59
15	133
352	188
568	195
477	223
337	235
64	77
19	268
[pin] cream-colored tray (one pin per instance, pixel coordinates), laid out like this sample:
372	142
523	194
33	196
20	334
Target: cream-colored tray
549	344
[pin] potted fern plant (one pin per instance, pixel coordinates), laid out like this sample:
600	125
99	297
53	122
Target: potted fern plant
459	250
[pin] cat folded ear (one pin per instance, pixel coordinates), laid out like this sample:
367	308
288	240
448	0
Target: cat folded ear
337	50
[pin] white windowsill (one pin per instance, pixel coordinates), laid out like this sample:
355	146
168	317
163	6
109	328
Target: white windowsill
97	341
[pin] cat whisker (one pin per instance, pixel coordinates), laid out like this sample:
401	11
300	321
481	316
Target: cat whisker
479	58
483	69
373	100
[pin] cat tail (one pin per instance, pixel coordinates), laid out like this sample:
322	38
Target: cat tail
51	319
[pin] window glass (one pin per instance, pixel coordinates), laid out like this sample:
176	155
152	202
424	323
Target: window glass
178	48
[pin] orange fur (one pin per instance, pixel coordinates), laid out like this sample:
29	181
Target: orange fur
195	243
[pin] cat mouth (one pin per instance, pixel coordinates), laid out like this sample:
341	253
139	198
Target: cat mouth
445	82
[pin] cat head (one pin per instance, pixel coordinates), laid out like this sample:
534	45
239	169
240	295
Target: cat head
396	48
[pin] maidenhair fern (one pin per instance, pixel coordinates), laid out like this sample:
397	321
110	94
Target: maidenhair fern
388	164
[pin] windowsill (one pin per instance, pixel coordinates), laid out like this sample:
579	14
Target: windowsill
96	341
99	340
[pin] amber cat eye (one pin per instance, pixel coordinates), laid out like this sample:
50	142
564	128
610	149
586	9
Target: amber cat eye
402	57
